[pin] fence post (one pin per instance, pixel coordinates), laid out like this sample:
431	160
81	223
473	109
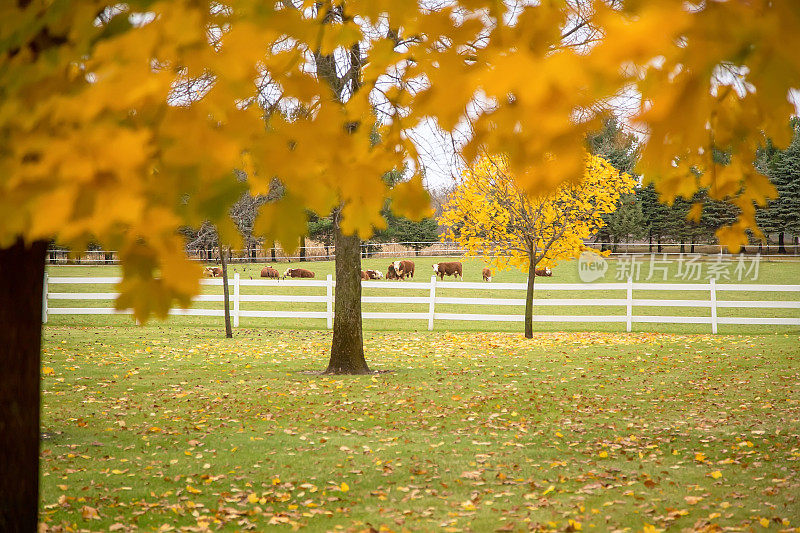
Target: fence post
713	306
44	300
236	300
329	300
432	303
629	306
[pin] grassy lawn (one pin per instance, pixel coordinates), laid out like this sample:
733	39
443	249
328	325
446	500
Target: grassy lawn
769	272
162	428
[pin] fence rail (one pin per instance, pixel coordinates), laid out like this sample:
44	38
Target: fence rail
629	303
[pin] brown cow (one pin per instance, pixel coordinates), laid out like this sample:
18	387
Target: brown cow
450	269
391	273
402	269
298	273
212	272
269	272
487	274
371	274
546	271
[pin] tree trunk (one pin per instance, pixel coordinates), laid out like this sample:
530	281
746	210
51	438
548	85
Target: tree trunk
529	299
226	292
650	247
21	284
781	244
302	248
272	251
347	348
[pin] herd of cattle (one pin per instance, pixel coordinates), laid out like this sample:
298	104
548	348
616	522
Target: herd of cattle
397	270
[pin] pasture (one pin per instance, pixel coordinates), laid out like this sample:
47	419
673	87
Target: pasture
766	272
174	428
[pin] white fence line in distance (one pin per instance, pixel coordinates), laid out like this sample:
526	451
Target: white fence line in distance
629	303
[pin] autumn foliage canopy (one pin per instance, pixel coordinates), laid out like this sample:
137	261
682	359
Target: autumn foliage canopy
122	124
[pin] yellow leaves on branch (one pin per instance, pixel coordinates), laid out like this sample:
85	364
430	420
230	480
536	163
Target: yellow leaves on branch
121	128
490	214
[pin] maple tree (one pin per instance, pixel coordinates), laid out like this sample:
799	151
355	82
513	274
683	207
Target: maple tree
120	124
490	215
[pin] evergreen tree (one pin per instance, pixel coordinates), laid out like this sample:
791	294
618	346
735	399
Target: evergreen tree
417	233
628	222
620	149
616	146
402	229
782	214
321	229
715	215
658	216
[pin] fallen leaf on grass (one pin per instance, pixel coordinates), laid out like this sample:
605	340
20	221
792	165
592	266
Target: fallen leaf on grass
89	513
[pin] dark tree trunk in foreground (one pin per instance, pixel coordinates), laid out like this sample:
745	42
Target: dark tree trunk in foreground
781	243
529	299
347	348
227	294
21	284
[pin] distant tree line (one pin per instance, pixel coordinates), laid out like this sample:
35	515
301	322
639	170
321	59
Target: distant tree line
641	217
205	239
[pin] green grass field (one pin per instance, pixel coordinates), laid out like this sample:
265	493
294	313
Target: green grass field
174	428
772	272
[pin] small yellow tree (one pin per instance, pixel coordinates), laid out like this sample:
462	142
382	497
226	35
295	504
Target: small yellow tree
489	214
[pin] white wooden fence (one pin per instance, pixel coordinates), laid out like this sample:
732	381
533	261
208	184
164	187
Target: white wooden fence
237	298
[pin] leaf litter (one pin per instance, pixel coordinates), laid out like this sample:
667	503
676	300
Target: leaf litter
175	429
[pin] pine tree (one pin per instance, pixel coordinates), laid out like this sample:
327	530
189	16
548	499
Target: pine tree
628	222
782	214
656	214
620	149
